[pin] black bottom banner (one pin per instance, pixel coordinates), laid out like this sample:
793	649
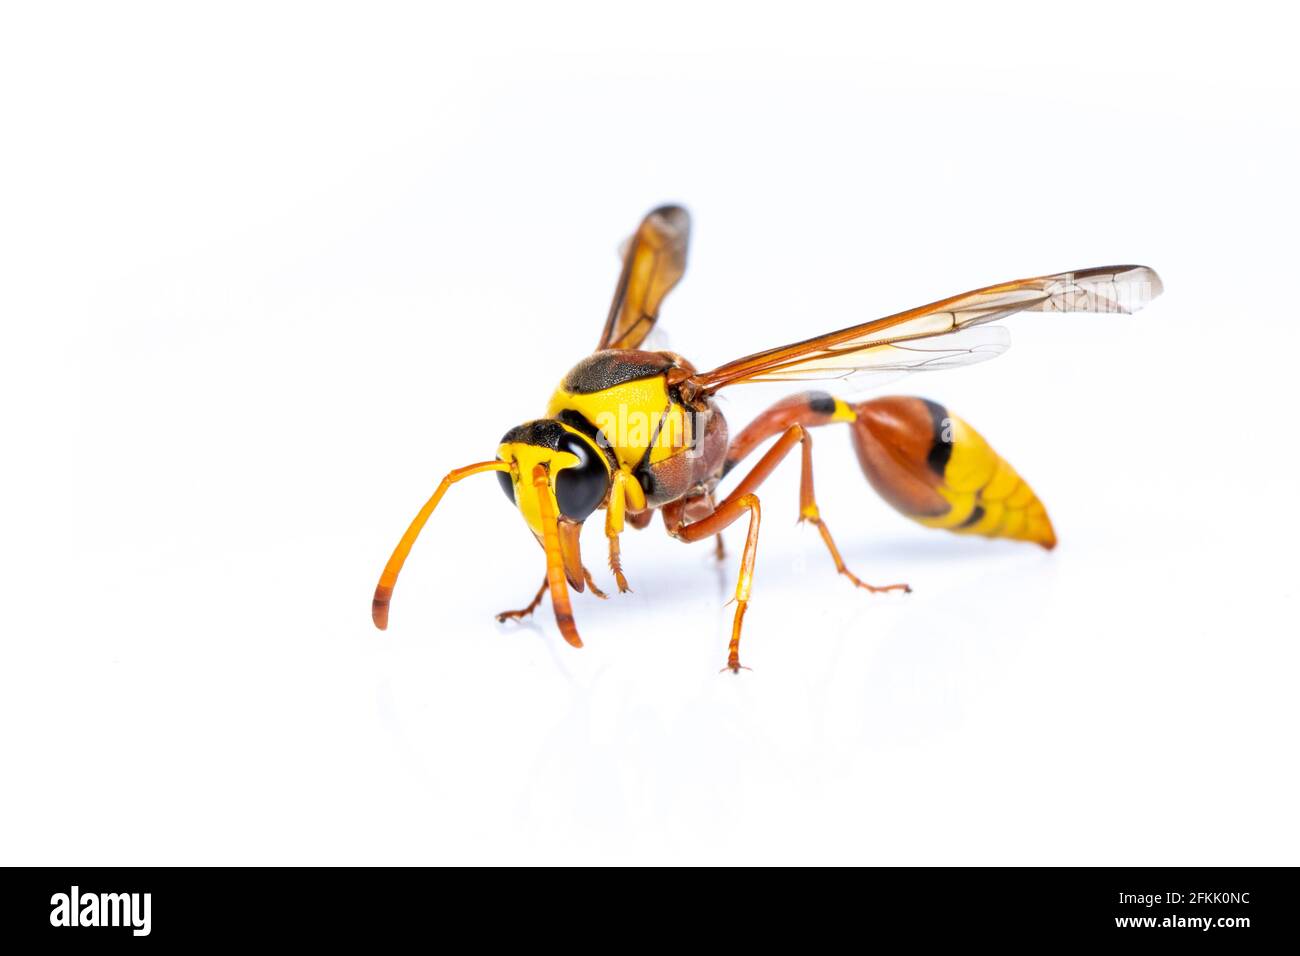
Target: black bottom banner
132	907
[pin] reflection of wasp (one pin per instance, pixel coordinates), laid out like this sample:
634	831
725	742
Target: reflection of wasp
631	431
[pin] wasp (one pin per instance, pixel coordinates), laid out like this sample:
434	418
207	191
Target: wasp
631	431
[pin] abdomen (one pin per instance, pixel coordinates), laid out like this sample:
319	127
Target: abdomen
939	471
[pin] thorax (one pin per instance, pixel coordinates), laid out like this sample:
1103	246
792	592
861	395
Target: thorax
625	398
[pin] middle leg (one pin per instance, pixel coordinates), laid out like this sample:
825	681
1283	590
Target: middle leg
680	520
694	519
727	512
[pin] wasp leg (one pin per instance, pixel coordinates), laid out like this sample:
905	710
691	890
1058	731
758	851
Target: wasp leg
682	525
745	581
808	511
524	612
678	520
727	512
809	410
616	565
640	519
719	548
625	490
592	584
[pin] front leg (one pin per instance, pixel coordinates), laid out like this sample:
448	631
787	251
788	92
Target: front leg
624	490
591	584
524	612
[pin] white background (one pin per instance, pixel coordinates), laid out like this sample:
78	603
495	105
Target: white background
269	271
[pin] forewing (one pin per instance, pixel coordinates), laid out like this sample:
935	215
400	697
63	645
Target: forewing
943	334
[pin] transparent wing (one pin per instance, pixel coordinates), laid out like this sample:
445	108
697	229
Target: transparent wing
654	259
658	340
878	365
944	334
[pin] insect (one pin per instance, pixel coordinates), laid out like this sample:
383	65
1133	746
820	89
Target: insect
632	431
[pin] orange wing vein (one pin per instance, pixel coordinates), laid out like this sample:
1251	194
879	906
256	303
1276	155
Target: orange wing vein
944	334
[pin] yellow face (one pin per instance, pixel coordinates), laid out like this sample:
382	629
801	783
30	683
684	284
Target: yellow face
579	471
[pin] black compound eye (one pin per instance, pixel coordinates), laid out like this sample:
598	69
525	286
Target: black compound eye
507	484
580	488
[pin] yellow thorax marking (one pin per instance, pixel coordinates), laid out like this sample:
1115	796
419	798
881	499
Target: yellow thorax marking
630	415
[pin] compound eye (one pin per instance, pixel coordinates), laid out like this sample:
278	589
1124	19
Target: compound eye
507	484
579	489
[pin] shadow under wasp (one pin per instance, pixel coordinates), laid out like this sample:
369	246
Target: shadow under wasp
632	431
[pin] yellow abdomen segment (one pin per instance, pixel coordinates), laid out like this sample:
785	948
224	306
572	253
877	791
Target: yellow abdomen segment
939	471
986	495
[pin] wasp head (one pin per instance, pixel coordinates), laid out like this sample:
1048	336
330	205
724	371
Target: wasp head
578	474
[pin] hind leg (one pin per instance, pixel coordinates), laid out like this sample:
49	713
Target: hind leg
694	519
808	410
808	511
